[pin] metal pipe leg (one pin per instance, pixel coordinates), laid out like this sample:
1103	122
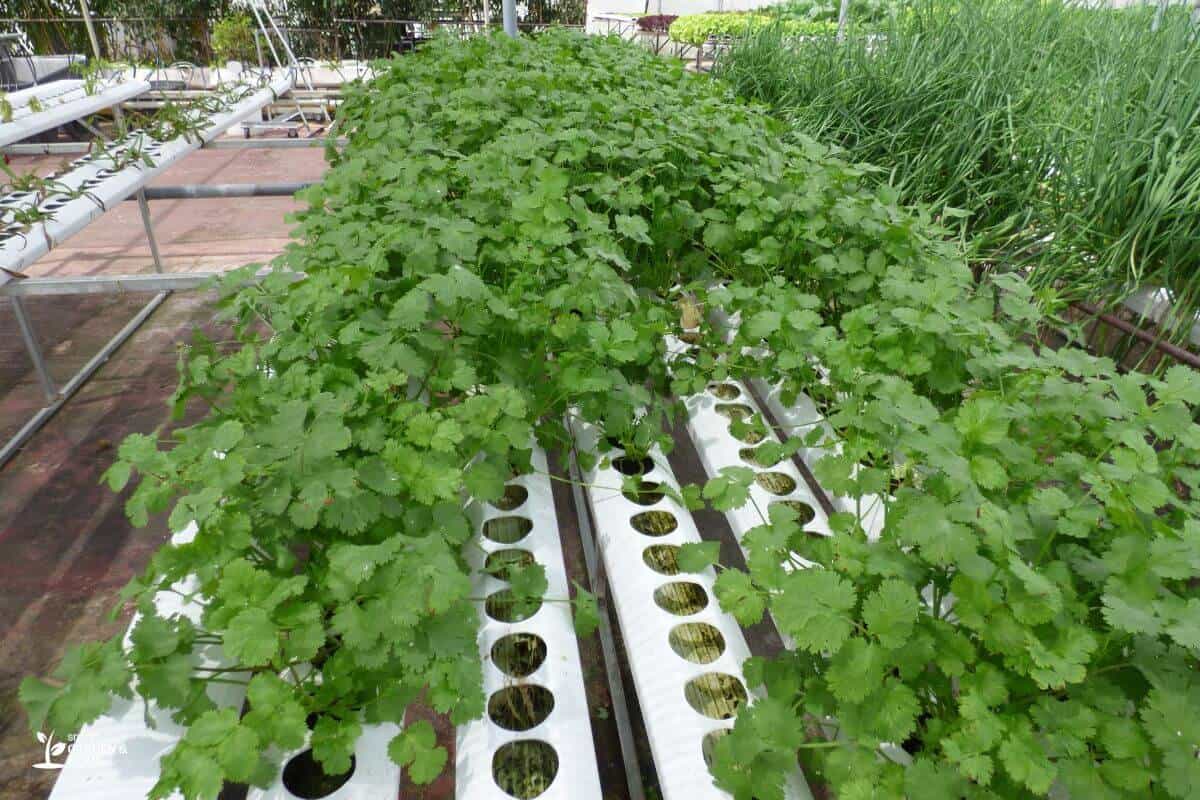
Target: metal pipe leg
35	352
144	207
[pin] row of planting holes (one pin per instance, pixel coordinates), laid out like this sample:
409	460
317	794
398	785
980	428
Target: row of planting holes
524	768
716	695
775	483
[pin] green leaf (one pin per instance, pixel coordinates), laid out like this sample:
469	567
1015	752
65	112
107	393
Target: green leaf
815	608
416	748
890	613
697	556
252	639
738	596
587	611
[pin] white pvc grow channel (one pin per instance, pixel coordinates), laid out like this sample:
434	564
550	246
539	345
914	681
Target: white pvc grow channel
106	187
64	105
116	757
684	653
536	734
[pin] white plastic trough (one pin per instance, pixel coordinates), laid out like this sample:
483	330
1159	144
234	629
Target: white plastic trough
62	106
675	729
116	757
108	187
375	774
801	417
567	728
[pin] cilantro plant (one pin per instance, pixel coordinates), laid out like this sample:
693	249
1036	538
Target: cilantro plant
506	238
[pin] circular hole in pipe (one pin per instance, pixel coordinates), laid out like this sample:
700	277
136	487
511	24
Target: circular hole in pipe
725	391
518	655
515	496
681	598
304	777
505	606
708	745
654	523
734	410
627	465
804	511
525	768
716	695
751	456
646	494
519	708
507	530
501	563
697	642
776	482
662	558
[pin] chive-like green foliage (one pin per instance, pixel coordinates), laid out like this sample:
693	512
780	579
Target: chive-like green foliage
1061	133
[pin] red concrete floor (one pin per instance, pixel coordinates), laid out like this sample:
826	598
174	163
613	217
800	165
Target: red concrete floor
66	548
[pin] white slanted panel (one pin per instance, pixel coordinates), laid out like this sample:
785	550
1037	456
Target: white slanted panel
63	105
684	653
555	753
116	757
106	186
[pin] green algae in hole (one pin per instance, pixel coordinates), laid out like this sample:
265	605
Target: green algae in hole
776	482
708	745
525	768
751	456
803	510
654	523
681	598
646	494
507	530
627	465
662	558
501	563
519	708
515	496
716	695
725	391
504	606
735	410
304	777
697	642
518	655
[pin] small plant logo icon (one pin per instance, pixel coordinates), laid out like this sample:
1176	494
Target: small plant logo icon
53	749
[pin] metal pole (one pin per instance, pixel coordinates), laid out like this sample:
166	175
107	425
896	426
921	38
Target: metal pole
843	18
510	17
144	208
193	191
35	352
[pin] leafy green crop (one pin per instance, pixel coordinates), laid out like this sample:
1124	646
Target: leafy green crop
699	28
504	241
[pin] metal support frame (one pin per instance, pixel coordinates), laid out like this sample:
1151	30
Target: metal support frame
159	282
39	419
35	351
193	191
269	143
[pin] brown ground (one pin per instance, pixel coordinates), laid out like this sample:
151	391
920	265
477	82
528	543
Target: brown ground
65	546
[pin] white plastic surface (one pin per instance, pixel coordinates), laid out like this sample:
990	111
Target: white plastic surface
375	774
567	728
675	729
108	187
63	105
116	757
